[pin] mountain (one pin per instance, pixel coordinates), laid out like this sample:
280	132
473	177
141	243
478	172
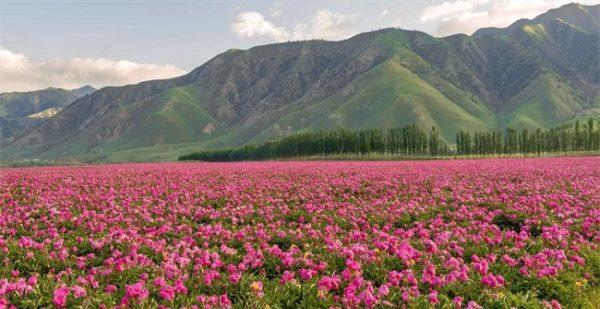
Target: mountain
534	73
83	91
20	111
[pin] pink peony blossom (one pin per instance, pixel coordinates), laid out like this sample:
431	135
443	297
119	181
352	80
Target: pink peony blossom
60	296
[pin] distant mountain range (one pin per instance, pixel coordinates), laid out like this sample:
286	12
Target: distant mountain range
534	73
20	111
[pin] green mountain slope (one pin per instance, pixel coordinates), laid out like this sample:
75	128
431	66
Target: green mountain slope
388	95
544	102
534	73
20	111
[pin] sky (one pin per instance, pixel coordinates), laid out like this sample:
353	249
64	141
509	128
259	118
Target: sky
68	44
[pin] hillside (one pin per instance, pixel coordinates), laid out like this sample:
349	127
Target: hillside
534	73
20	111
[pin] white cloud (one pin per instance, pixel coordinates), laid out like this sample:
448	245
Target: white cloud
447	10
384	14
19	72
326	25
464	16
323	25
254	24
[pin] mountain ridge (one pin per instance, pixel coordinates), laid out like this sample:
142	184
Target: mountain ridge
20	111
534	73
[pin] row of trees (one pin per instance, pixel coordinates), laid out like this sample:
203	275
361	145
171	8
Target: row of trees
413	140
409	140
566	138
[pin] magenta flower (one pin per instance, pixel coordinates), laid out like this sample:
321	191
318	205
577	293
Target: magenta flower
287	276
78	291
60	296
209	276
492	280
135	292
167	293
433	297
457	301
329	283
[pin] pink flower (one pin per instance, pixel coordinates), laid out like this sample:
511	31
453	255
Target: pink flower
286	277
457	301
306	274
160	282
523	271
473	305
509	261
407	253
209	276
135	291
26	242
430	277
180	287
167	293
224	301
368	298
352	265
111	288
383	290
32	280
221	301
492	280
433	297
480	265
553	304
60	296
78	291
235	278
329	283
547	272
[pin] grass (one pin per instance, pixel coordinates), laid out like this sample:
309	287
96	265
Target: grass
404	157
388	95
175	116
537	31
545	102
170	153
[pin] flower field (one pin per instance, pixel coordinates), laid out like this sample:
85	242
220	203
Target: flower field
495	233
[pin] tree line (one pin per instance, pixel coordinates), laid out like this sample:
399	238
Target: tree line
565	138
412	140
408	140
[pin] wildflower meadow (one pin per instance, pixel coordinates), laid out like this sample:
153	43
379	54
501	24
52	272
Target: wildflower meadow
496	233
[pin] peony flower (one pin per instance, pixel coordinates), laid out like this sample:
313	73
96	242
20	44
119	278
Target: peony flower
78	291
287	276
492	280
457	301
111	288
59	298
135	291
473	305
433	297
167	293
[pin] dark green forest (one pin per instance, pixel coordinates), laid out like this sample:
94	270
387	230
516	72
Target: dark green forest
413	140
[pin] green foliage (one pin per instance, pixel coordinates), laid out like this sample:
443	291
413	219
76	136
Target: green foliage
410	140
564	138
505	222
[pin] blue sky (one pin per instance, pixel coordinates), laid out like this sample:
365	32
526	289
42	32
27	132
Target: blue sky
71	43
